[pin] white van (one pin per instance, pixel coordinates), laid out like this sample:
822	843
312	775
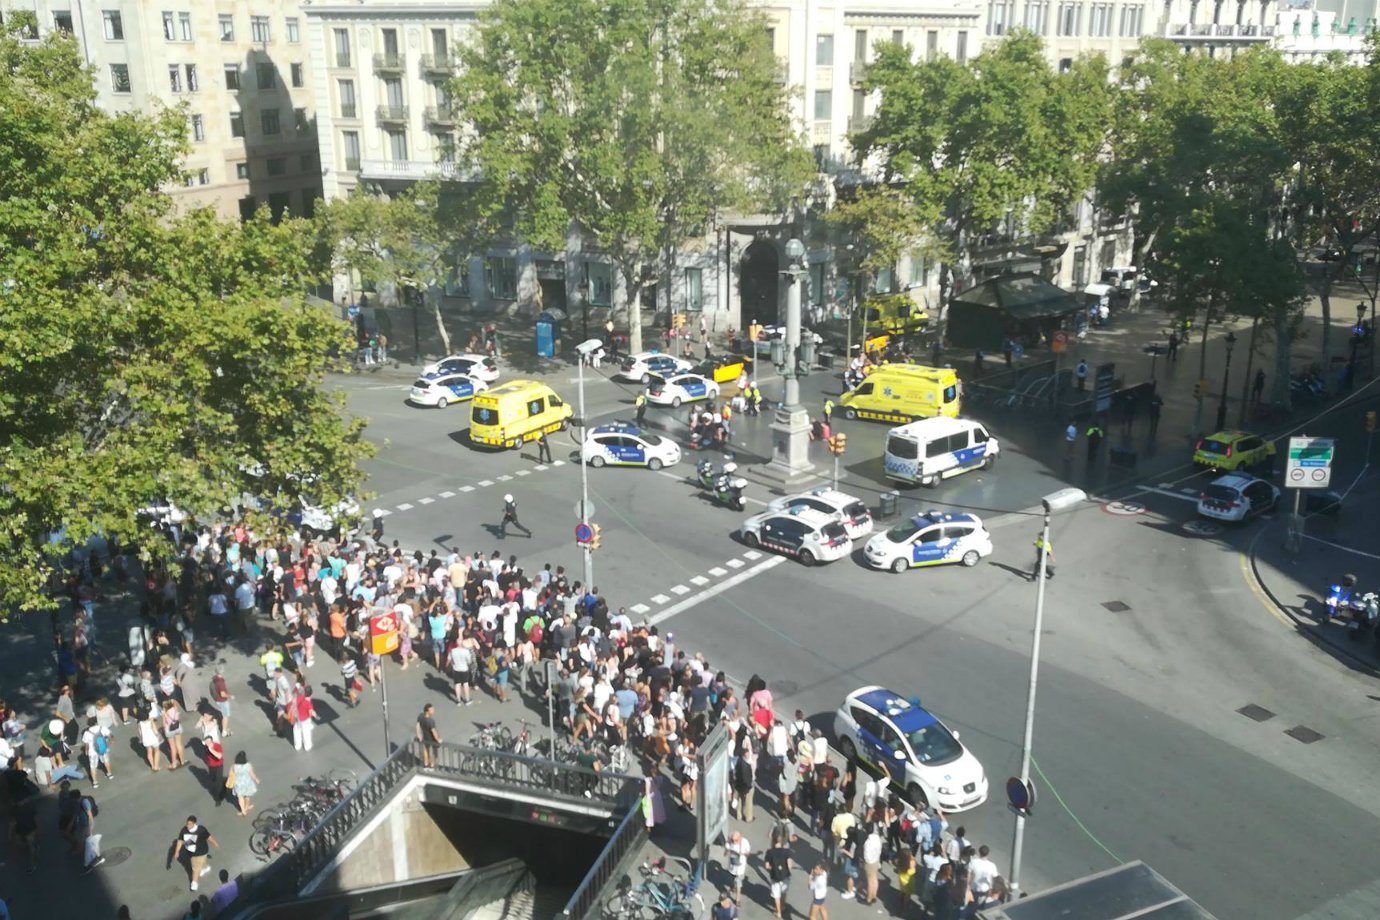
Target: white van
936	448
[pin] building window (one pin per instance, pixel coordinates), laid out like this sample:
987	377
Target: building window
307	162
898	36
265	75
169	27
440	45
62	21
997	12
198	128
227	27
114	26
1131	17
884	281
694	290
299	120
1068	21
175	78
192	84
277	166
248	205
232	76
349	144
268	120
393	93
1065	65
203	177
294	34
119	78
458	278
279	204
599	284
961	48
1037	16
397	146
260	30
342	47
347	98
931	44
390	44
500	273
297	75
184	26
824	50
824	104
1100	20
816	292
241	170
237	124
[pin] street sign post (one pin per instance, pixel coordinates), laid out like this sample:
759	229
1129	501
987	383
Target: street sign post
583	534
1308	466
383	638
1059	341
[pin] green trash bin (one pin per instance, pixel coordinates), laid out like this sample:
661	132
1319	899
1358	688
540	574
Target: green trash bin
888	506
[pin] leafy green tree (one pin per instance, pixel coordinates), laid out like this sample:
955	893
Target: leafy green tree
144	357
1001	138
639	121
402	241
881	225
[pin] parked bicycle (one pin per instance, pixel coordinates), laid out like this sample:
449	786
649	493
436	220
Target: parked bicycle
664	892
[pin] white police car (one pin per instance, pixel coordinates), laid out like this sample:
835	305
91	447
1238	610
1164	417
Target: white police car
851	512
479	367
898	737
808	535
1235	497
444	389
641	367
680	388
620	444
930	539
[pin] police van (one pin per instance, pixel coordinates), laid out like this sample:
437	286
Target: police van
936	448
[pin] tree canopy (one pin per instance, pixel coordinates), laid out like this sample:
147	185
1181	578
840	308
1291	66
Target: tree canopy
639	121
145	355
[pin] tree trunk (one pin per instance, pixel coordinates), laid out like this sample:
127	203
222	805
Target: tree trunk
1202	370
1142	254
1325	297
946	292
440	325
1250	366
633	282
1284	328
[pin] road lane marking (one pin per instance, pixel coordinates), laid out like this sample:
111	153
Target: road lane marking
447	494
735	563
486	482
542	466
699	581
467	488
425	501
685	604
679	590
504	478
639	609
524	472
1258	590
381	512
558	463
1181	496
405	506
752	554
718	572
659	599
1345	549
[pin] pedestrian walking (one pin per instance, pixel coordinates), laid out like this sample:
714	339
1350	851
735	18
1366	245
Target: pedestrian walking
510	516
1156	406
193	849
349	678
1129	405
1258	386
213	751
724	908
1173	354
427	734
543	448
1045	549
1070	439
303	720
244	782
736	853
1094	435
778	860
220	699
172	730
1080	373
611	338
461	661
819	890
150	736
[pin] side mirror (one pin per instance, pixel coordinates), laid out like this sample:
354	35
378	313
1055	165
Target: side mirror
901	755
955	736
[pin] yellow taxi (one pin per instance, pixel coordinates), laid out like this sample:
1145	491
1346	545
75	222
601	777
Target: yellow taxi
517	411
725	368
903	393
1233	450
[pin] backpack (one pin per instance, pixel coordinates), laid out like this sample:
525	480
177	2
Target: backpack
95	809
491	665
101	745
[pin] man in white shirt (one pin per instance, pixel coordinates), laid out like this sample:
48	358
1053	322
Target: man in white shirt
244	602
981	871
736	853
219	608
872	861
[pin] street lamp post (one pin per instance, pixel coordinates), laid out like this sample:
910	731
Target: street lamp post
583	351
1054	501
1226	377
790	463
1356	335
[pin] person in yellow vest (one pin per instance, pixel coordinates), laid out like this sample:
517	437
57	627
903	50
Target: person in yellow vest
641	404
828	411
1043	546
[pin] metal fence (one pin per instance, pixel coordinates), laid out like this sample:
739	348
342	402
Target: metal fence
624	844
539	775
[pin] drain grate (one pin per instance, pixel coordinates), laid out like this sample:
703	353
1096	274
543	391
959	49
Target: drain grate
1304	733
1116	606
1258	713
116	855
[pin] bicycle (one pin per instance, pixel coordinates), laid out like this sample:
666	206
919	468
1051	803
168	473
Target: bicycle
273	840
492	737
661	894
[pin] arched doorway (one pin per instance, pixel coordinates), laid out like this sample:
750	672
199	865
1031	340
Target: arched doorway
758	276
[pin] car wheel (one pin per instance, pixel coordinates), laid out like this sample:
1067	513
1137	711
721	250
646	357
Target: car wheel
850	413
916	795
596	461
714	393
517	443
988	462
847	749
751	539
442	402
807	557
654	464
899	566
971	558
675	402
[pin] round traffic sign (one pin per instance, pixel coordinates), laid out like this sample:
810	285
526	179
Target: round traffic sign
1124	508
1061	337
583	533
1320	475
1020	794
1296	474
581	508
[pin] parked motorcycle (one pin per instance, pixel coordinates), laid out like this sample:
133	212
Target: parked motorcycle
723	486
1339	596
1365	612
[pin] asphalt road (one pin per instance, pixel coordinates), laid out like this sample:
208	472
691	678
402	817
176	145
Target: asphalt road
1141	751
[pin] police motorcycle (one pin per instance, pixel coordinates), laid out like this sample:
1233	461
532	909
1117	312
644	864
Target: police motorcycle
723	486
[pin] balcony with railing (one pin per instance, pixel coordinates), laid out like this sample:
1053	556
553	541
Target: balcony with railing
1210	32
781	74
438	65
389	62
857	123
857	71
413	170
441	116
392	114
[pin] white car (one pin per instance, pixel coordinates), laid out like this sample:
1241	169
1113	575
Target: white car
620	444
899	738
770	334
641	367
471	365
808	535
851	512
1235	497
324	520
443	389
930	539
680	388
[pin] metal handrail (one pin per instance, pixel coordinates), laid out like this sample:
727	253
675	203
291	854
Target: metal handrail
547	776
626	841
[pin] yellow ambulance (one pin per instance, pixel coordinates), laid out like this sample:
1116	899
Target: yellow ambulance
517	411
904	392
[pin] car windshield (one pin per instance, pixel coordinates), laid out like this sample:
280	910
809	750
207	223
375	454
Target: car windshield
855	509
934	744
1221	493
902	531
1215	447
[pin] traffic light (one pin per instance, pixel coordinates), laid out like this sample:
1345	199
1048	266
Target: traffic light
838	443
594	540
1370	421
1200	389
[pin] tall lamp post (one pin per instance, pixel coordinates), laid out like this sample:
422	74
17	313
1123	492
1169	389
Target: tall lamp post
1357	333
584	350
1054	501
1230	342
790	463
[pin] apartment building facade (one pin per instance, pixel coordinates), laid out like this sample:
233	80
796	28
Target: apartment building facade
239	67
